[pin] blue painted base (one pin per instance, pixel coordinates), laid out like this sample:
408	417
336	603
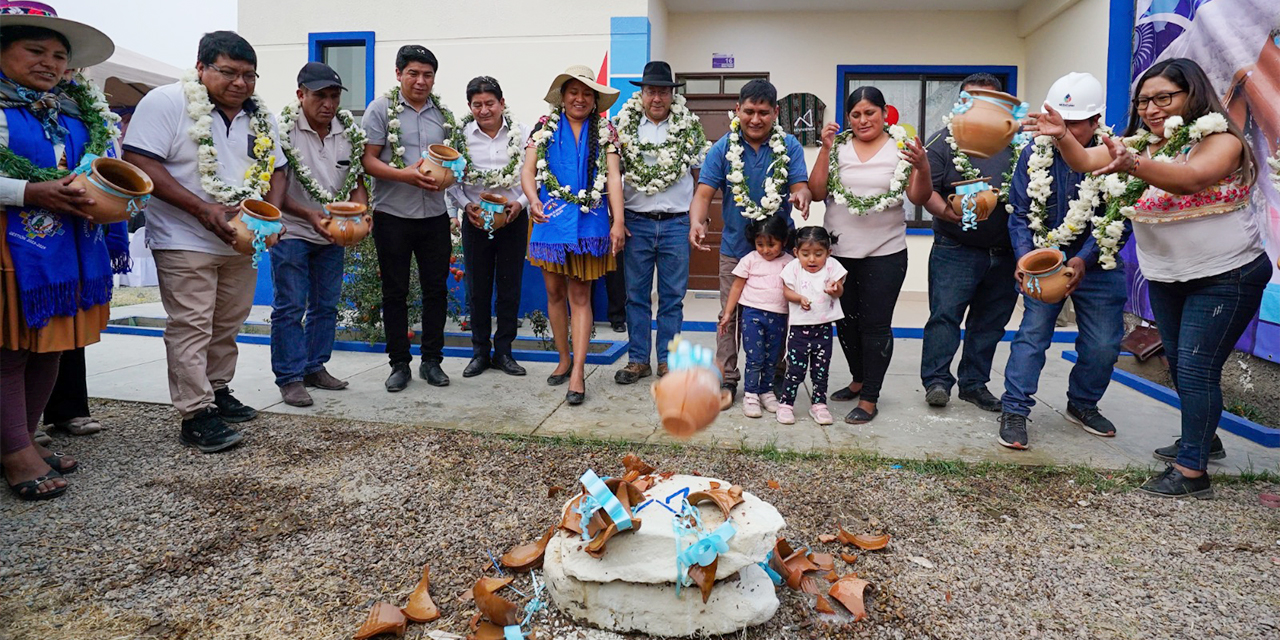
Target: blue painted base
1243	427
913	333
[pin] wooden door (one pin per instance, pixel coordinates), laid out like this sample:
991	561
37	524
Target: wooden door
704	266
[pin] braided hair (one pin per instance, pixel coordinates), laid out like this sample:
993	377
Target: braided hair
593	142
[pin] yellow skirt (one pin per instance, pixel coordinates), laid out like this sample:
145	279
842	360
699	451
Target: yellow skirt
580	266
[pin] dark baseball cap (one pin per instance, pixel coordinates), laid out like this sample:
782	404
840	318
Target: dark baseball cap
318	75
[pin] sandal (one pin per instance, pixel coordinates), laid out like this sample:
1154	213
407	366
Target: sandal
55	462
41	438
79	426
860	416
30	490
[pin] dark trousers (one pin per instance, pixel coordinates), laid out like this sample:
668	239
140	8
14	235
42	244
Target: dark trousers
70	397
1200	322
615	287
401	241
763	333
808	347
979	281
866	331
494	264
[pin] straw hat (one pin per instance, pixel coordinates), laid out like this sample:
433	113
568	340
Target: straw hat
582	73
88	45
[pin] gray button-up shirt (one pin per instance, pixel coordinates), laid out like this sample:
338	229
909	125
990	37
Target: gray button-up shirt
676	198
329	159
418	130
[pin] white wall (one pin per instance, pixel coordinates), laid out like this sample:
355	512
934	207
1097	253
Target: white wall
658	17
1073	40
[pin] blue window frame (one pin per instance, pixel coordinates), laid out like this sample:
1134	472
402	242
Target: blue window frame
350	53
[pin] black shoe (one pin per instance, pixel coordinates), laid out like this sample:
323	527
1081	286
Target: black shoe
779	381
937	396
1013	430
476	367
232	410
982	399
433	374
1092	421
555	380
618	326
507	365
208	431
1172	484
860	416
843	394
1170	453
575	397
399	378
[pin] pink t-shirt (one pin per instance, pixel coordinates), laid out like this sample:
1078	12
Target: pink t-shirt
822	307
763	289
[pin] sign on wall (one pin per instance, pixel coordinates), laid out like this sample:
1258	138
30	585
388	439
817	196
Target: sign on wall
722	61
801	116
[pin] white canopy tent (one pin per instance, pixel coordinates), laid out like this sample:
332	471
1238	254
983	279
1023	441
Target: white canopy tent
129	75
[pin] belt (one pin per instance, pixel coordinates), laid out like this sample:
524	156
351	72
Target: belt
659	215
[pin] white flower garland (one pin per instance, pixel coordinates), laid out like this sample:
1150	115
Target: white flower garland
686	145
505	177
1274	161
257	179
354	134
1040	186
862	205
772	198
584	199
452	133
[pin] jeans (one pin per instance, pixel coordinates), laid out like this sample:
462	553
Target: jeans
1099	303
866	331
807	345
664	245
1200	322
496	264
308	280
425	241
966	278
763	333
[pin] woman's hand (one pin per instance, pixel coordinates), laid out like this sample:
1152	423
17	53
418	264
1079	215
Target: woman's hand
618	236
535	212
57	196
914	153
829	135
1049	123
1122	159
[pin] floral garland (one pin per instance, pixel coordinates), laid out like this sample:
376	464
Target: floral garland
862	205
1122	191
1274	161
257	178
355	136
584	199
1040	185
506	177
97	117
686	145
970	172
771	201
452	132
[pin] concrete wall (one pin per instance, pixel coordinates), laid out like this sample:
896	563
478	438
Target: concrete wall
1072	39
658	17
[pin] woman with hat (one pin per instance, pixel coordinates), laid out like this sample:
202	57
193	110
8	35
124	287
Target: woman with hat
55	268
571	165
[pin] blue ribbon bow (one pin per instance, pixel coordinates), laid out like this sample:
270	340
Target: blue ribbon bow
1018	111
514	631
458	166
261	230
968	195
773	575
488	211
599	497
708	547
133	204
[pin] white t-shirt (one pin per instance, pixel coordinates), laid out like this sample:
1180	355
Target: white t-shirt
159	129
822	307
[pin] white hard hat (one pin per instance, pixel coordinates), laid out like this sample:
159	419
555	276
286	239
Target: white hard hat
1077	96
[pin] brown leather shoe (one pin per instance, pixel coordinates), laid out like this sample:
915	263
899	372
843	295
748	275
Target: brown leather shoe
631	373
322	379
662	369
295	395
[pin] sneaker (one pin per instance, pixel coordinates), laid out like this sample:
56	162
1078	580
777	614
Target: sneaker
632	373
1170	453
937	396
232	410
1172	484
769	401
982	399
786	415
1013	430
1092	421
208	431
751	405
820	414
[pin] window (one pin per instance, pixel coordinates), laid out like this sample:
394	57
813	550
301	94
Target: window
716	84
351	55
922	96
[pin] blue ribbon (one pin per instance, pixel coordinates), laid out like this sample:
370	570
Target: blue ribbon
1018	111
1033	281
489	210
682	354
513	631
261	229
968	195
458	166
133	204
709	546
599	497
773	575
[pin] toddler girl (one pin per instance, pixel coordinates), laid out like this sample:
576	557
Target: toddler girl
813	287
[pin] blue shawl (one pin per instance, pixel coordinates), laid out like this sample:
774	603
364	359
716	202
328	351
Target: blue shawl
570	230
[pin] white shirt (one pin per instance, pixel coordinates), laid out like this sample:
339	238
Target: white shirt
329	159
488	154
822	307
676	198
159	129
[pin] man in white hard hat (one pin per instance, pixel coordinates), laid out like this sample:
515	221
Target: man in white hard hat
1044	190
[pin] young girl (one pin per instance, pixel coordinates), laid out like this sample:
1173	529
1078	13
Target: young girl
814	285
764	310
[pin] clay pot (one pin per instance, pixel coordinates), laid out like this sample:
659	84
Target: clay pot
433	164
493	210
984	202
688	400
117	188
260	209
348	222
1044	275
987	127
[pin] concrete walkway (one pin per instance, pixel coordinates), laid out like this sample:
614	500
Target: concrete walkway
133	368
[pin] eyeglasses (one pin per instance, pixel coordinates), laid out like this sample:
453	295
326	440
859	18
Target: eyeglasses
1161	100
249	77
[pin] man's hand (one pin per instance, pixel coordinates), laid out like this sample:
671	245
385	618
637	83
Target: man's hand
57	196
800	200
697	232
412	175
215	218
1076	265
316	217
473	213
949	214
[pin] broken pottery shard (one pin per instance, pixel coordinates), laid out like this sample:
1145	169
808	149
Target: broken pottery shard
849	557
844	536
871	543
773	484
726	499
633	464
420	607
629	496
572	522
383	618
832	576
790	564
553	490
848	591
809	584
823	605
527	556
826	537
825	561
704	577
482	630
495	608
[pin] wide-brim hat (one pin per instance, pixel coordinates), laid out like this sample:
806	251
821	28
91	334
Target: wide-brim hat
89	46
582	73
657	74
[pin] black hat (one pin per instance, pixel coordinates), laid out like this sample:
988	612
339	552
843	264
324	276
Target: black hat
658	74
318	75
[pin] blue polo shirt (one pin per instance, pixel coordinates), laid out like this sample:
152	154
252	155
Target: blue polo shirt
755	167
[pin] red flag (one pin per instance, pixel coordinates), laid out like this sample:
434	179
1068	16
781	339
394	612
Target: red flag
603	76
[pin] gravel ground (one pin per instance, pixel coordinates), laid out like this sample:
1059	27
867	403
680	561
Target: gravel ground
296	533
